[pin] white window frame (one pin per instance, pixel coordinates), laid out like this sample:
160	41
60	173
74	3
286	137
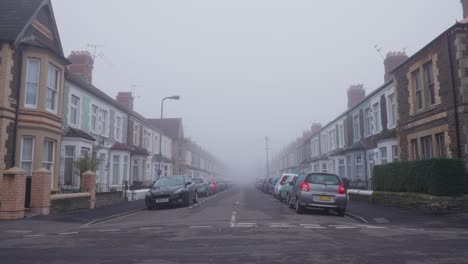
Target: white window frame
391	111
115	181
125	162
22	160
78	110
95	116
341	135
368	121
56	90
136	134
103	124
356	128
376	118
361	164
26	105
65	159
118	128
52	163
383	151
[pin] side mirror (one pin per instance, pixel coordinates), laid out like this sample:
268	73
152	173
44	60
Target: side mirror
151	186
291	183
188	183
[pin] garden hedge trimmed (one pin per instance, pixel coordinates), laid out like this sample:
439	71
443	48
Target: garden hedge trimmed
439	177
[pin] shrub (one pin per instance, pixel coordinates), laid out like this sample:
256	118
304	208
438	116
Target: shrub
439	177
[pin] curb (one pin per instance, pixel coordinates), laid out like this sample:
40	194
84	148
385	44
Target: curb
357	218
103	219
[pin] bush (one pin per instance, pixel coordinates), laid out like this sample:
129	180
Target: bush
439	177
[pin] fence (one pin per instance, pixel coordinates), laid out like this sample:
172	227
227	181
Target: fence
107	187
69	188
139	185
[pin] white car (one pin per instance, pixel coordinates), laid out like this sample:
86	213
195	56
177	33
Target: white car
281	182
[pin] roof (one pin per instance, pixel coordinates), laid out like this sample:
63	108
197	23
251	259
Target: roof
77	133
121	146
15	15
172	127
139	151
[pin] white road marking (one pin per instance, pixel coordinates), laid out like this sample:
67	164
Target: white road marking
345	227
37	235
201	226
68	233
372	226
381	220
19	231
149	228
284	225
312	226
233	219
109	230
246	224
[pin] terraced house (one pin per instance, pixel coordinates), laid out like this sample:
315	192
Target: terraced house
32	67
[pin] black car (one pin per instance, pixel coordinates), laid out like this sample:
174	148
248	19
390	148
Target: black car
170	191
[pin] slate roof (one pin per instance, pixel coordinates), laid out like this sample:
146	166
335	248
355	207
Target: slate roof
77	133
121	146
14	15
172	127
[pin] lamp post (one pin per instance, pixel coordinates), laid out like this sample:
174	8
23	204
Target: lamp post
174	97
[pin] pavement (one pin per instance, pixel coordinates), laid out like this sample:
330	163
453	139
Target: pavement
240	225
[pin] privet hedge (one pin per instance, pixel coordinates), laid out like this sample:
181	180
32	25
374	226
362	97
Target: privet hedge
439	177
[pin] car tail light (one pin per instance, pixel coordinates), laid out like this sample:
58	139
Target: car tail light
341	189
305	186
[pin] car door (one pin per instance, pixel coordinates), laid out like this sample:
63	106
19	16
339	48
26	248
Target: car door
191	187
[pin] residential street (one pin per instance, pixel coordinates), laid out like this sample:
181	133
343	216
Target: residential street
262	230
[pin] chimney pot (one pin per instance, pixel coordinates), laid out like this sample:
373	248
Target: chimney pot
393	60
465	8
356	94
125	99
82	64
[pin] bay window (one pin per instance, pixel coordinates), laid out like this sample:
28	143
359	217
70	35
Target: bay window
32	82
53	75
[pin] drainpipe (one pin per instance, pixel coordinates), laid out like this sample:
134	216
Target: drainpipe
454	96
18	80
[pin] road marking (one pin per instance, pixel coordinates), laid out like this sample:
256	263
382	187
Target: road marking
284	225
149	228
345	227
372	226
312	226
233	219
381	220
37	235
109	230
19	231
201	226
68	233
246	224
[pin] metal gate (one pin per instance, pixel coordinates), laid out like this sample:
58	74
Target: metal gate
27	198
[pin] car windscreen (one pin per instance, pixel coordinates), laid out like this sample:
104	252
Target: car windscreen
284	179
170	181
323	179
197	180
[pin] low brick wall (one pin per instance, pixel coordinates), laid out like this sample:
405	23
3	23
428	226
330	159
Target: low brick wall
109	198
424	202
68	202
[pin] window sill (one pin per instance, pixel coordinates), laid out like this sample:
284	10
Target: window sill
425	110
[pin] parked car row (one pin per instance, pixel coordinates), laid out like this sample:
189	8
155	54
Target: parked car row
313	190
182	190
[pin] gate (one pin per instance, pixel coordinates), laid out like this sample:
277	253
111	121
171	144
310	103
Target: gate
27	198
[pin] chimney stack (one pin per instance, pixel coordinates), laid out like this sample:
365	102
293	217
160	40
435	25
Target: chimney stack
393	60
82	64
125	99
316	127
356	94
465	8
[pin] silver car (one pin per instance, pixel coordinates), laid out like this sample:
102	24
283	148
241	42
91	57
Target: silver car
318	190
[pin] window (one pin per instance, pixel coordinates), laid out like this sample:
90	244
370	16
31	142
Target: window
103	122
85	152
118	128
391	110
377	123
330	140
416	75
324	143
356	131
135	170
316	167
145	139
348	168
367	121
441	151
74	110
395	152
429	74
27	154
94	118
383	155
48	157
341	135
359	167
136	135
125	168
115	169
415	149
324	167
334	138
341	168
69	164
52	88
32	83
426	147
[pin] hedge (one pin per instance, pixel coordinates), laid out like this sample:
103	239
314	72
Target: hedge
439	177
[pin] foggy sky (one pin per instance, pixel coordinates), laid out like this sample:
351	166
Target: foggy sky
246	69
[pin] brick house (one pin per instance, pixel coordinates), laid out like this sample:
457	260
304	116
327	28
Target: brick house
432	98
32	67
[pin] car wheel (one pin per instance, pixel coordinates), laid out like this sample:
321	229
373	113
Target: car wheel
299	207
341	212
195	199
290	205
187	200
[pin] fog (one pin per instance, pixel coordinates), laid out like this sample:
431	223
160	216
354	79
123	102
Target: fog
246	69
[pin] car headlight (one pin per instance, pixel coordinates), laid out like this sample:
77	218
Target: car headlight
179	190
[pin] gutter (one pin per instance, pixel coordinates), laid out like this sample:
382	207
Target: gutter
454	96
18	79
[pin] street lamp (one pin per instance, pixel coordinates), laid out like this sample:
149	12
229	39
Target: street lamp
174	97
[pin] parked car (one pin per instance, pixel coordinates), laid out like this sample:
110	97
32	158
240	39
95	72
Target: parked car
286	188
212	183
268	185
271	189
171	191
319	190
203	186
222	184
281	182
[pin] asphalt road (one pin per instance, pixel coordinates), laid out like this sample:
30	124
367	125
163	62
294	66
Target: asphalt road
240	225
